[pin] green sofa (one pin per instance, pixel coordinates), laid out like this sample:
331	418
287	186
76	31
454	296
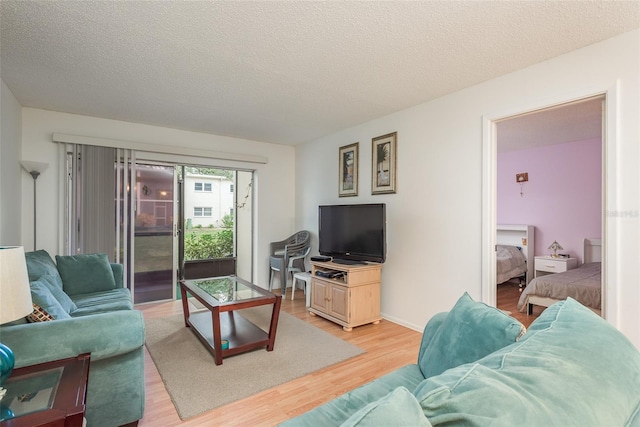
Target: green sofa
93	313
571	368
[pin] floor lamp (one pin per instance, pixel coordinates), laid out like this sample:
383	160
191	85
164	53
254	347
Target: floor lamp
35	169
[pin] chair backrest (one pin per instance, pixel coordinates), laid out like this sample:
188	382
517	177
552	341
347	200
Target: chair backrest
300	237
298	243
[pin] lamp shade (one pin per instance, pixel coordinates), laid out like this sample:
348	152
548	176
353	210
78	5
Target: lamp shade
15	291
555	246
30	166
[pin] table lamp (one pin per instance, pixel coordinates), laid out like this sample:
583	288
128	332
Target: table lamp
15	299
555	246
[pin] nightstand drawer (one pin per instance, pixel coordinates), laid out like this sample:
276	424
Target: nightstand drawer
551	265
546	265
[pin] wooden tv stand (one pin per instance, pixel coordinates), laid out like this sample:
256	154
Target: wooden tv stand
353	299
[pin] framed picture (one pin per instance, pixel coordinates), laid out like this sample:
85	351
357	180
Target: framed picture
383	166
348	170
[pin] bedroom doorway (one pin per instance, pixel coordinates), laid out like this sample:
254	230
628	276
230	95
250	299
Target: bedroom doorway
545	167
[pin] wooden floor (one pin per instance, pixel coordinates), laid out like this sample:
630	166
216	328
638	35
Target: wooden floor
388	346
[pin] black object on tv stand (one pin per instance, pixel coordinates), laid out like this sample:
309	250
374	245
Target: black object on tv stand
348	261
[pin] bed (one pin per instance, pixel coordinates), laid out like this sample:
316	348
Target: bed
583	284
515	244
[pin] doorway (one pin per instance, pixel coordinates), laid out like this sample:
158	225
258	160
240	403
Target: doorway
545	135
215	229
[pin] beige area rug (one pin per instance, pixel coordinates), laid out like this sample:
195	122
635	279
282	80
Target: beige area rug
197	385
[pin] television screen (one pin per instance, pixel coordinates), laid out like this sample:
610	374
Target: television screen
351	234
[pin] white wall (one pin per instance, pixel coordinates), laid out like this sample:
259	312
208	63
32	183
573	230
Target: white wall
434	222
10	169
275	188
219	199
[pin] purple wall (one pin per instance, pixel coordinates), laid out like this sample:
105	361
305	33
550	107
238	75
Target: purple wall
563	197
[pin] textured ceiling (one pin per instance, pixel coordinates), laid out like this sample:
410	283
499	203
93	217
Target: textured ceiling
284	72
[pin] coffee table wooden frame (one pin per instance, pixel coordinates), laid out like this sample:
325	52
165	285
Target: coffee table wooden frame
224	321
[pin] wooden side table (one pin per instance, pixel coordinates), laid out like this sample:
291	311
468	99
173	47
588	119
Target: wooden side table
51	394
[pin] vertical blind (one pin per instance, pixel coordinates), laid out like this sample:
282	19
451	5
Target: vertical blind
91	222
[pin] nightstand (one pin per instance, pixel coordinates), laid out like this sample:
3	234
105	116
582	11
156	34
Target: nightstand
548	265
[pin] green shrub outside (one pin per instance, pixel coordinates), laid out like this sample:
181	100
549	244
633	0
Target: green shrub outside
218	244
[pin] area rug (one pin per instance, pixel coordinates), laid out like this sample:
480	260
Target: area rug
196	384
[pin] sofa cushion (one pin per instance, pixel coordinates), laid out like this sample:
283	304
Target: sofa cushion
470	331
41	295
568	353
101	302
341	408
83	274
398	408
40	263
57	292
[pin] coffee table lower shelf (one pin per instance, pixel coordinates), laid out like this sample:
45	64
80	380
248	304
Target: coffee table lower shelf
241	333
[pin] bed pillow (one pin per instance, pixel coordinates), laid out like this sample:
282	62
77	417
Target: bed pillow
42	296
398	408
470	331
82	274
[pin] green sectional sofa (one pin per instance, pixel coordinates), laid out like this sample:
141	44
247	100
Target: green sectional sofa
571	368
93	312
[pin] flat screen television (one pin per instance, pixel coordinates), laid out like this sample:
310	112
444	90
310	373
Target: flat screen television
353	234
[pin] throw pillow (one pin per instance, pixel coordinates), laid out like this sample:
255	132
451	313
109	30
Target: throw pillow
40	263
67	304
470	331
39	314
42	296
82	274
398	408
572	368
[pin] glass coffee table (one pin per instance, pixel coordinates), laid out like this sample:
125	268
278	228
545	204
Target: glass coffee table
221	328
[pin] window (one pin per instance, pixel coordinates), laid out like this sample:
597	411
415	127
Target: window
202	186
202	211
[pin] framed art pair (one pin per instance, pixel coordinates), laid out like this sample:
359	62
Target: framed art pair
383	166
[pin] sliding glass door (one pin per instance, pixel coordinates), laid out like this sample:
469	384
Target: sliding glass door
146	214
153	233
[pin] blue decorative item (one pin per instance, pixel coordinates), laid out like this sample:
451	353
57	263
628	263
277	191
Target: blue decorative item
6	413
7	361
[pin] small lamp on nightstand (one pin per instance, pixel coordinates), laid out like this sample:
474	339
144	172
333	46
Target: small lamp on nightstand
15	299
555	246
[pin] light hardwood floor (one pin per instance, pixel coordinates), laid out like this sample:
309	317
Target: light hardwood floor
507	299
388	346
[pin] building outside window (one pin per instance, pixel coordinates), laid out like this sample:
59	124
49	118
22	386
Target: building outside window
231	188
207	191
200	211
202	186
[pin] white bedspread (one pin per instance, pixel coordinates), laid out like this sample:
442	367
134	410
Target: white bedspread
582	284
511	263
